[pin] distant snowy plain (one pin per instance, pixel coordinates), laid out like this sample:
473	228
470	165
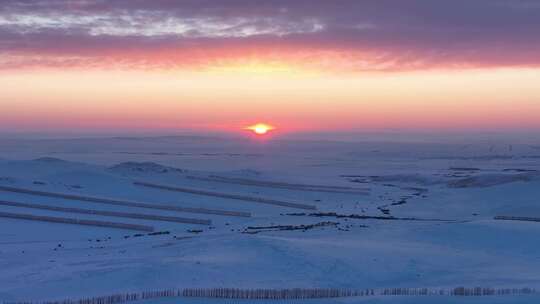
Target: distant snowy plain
441	198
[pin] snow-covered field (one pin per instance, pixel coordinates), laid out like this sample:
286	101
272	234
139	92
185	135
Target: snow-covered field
386	215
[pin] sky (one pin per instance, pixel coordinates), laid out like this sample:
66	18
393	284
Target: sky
317	65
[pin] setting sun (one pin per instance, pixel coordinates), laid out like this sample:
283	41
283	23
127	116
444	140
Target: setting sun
260	128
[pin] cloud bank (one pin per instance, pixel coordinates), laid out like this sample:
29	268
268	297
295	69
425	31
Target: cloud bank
345	35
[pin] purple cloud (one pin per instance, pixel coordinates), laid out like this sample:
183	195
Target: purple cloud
375	34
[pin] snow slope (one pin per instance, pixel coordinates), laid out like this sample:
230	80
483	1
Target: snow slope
441	200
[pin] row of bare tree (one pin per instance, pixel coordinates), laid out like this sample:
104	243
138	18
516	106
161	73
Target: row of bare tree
286	294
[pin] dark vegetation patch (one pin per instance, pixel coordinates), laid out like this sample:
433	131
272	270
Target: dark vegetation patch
359	181
100	240
464	169
146	167
258	229
384	210
517	218
457	175
366	217
400	202
519	170
148	234
160	233
390	180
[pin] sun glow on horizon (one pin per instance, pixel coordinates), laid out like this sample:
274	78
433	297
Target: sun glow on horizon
180	99
260	128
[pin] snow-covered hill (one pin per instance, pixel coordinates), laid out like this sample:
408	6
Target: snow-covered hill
380	219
